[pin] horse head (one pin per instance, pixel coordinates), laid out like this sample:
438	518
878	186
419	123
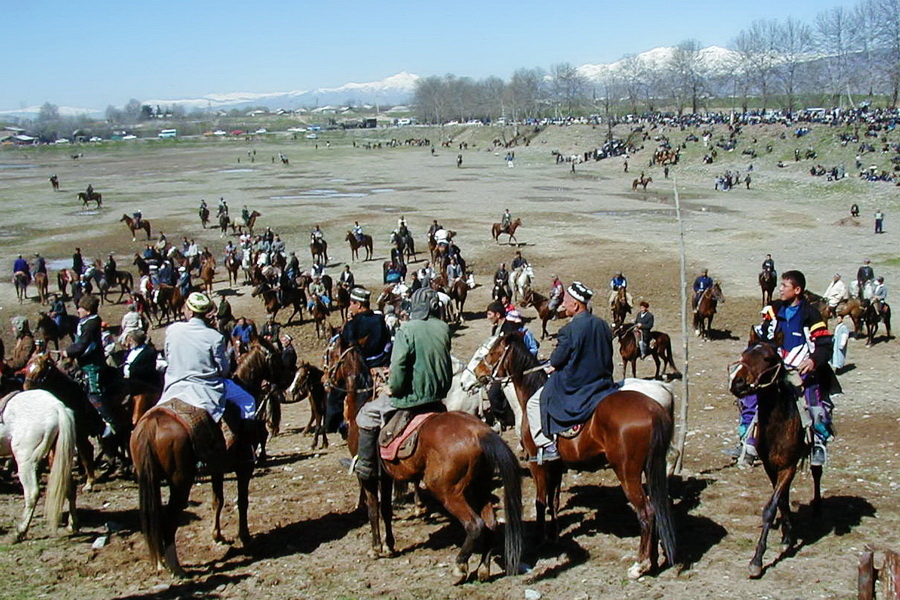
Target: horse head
760	366
716	293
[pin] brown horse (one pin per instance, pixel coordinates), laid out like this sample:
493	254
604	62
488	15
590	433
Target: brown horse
620	307
204	216
355	245
309	383
781	439
54	181
872	314
319	313
232	266
208	274
455	458
542	305
250	223
94	197
47	330
20	280
319	251
167	302
129	222
163	452
294	298
852	308
706	309
66	278
458	292
767	281
43	287
341	301
497	230
642	181
660	348
629	431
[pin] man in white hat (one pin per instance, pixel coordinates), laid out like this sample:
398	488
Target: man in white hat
184	281
836	292
198	368
582	374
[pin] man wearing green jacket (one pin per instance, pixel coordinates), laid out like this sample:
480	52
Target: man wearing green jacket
421	374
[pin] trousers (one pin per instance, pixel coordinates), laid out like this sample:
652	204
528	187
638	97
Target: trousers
533	412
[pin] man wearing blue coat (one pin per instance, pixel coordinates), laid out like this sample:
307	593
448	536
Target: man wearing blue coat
581	376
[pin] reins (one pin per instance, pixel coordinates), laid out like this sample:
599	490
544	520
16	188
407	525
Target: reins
756	385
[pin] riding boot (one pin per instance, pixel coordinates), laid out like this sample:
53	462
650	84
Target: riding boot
643	346
366	458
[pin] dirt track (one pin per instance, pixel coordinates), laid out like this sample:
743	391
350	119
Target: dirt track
583	225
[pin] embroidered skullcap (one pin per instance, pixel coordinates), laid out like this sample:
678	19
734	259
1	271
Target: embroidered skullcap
360	294
580	292
514	316
199	303
424	303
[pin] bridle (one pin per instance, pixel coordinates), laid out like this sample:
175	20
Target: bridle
755	385
331	370
493	377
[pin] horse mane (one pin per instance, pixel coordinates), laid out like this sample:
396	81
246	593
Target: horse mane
521	360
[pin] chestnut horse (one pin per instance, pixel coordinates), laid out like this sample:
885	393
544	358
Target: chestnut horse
319	251
629	432
309	383
94	197
20	280
497	230
620	307
163	452
643	182
660	348
232	265
781	439
43	287
356	244
294	298
767	281
208	274
455	457
542	305
706	309
129	222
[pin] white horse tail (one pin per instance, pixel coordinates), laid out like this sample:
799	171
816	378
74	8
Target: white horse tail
59	485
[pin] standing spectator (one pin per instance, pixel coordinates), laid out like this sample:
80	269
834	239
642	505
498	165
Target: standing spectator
841	336
879	221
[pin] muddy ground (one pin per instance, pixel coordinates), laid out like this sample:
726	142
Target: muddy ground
308	541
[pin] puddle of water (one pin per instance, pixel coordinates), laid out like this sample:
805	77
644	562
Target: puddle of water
237	171
337	180
382	190
551	199
23	166
57	264
665	212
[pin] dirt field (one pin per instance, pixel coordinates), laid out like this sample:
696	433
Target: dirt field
308	543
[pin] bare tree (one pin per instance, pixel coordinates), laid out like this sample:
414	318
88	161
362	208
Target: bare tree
887	37
759	57
833	28
632	78
526	92
687	74
794	44
568	85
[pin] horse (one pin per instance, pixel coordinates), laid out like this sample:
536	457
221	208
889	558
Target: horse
356	244
208	274
629	431
163	451
497	229
294	298
542	305
706	309
94	197
232	266
620	307
20	280
404	243
64	279
872	314
781	439
54	181
249	223
660	348
34	423
47	330
167	302
520	281
319	250
642	181
767	281
319	313
43	286
224	221
455	458
309	383
129	222
204	216
123	279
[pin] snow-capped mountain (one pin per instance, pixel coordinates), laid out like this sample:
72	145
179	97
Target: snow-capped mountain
716	59
391	90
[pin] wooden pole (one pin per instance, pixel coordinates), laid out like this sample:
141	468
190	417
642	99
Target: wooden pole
683	414
865	582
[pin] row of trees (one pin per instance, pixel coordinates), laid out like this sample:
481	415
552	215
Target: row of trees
843	52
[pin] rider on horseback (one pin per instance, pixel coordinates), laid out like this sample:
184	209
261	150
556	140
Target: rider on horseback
836	292
619	282
518	262
557	291
90	191
506	221
863	276
316	235
245	215
701	284
109	270
184	281
317	290
21	266
138	219
357	231
879	295
581	367
347	280
768	264
222	209
420	377
454	272
501	282
806	349
40	265
643	323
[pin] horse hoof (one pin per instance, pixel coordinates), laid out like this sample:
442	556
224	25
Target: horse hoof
374	553
638	569
755	571
484	572
461	574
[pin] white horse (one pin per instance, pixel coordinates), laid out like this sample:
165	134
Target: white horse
465	392
868	289
520	282
30	424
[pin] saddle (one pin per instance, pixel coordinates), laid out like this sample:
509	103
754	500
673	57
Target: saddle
211	441
399	436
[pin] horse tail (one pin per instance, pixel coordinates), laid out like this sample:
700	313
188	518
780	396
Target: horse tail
658	483
502	459
150	500
59	484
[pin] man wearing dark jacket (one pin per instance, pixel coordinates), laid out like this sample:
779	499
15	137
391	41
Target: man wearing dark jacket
581	376
140	362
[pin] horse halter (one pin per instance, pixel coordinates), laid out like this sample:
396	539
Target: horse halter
755	385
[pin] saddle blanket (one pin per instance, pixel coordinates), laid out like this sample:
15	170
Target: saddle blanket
399	436
211	441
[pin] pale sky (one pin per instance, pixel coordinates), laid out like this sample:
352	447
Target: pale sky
94	53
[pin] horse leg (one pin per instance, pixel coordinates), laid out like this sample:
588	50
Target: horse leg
457	505
817	489
656	360
629	472
244	473
490	528
218	488
28	478
179	492
86	457
782	480
370	488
